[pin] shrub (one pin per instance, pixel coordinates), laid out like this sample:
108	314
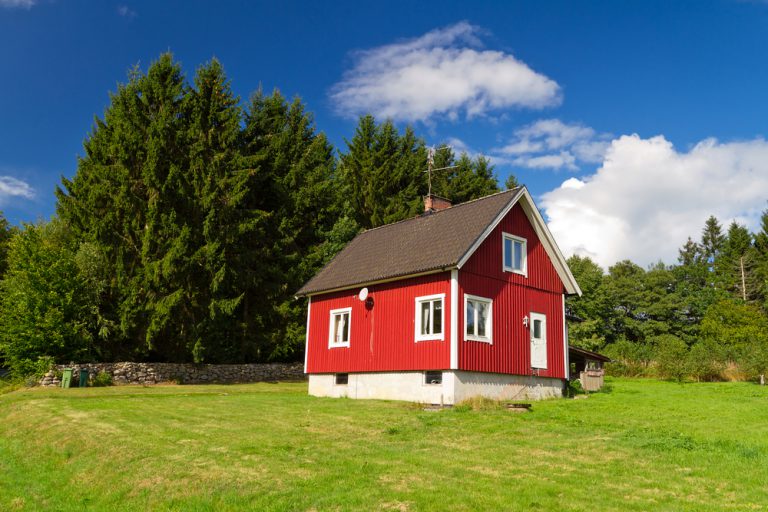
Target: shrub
671	357
706	361
629	359
101	379
575	388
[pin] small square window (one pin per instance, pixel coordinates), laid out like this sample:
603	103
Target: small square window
433	378
339	328
515	254
342	379
429	318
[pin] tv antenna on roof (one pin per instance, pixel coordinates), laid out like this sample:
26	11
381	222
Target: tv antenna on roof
431	162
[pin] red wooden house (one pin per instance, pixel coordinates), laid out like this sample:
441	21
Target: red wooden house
461	301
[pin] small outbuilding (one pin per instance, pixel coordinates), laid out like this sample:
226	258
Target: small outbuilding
587	366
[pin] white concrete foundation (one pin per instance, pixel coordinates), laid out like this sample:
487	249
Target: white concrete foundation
457	386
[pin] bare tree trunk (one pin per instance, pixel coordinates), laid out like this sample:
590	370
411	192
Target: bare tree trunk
743	280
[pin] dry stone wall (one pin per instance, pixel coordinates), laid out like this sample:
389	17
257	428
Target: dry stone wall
153	373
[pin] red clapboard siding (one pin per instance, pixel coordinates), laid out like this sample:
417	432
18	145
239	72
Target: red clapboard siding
510	351
381	339
514	297
487	260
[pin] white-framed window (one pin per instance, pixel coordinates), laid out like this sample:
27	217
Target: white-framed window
430	317
515	254
478	318
340	327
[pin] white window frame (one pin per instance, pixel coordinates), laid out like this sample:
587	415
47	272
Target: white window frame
332	343
488	338
523	271
417	318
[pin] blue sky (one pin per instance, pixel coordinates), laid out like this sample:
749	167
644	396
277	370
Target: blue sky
630	122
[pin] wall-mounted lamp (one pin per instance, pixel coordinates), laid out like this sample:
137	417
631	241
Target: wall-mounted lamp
525	320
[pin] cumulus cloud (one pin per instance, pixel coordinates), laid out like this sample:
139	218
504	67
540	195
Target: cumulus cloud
21	4
12	187
647	198
445	72
553	144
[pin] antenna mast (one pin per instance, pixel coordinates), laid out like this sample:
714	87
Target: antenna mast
431	162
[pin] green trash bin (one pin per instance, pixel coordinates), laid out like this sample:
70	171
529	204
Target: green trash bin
66	378
83	377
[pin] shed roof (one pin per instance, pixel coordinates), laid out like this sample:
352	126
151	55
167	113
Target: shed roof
431	242
587	354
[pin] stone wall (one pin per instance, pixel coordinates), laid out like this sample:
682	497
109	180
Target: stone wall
153	373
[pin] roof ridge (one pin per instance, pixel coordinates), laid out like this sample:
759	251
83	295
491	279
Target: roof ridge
420	216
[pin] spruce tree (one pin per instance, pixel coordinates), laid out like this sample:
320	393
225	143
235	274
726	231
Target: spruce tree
712	239
122	199
280	140
471	179
383	173
736	265
511	182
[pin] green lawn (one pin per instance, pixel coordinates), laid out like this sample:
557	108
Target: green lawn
643	445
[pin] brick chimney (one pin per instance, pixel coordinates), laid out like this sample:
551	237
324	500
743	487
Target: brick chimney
433	203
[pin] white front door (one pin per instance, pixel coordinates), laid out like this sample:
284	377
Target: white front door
538	341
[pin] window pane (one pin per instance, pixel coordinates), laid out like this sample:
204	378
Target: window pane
335	331
345	327
470	328
537	329
425	318
437	320
507	253
482	318
518	256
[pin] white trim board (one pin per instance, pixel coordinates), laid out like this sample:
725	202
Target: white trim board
454	319
306	343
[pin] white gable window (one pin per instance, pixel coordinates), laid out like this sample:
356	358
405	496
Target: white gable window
339	329
515	254
478	319
430	318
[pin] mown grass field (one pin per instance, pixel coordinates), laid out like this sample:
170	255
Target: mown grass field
644	445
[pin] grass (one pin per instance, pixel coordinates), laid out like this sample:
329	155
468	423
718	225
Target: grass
644	445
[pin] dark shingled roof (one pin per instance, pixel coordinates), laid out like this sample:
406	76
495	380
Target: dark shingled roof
431	241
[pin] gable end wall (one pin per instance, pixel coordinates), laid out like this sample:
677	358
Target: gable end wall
514	297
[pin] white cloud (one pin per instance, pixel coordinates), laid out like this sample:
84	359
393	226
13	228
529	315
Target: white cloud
560	160
442	73
21	4
126	12
12	187
647	198
552	144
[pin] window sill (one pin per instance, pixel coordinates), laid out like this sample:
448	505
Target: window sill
518	272
338	345
477	338
430	338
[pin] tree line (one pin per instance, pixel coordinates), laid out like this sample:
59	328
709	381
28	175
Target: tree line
706	317
192	219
